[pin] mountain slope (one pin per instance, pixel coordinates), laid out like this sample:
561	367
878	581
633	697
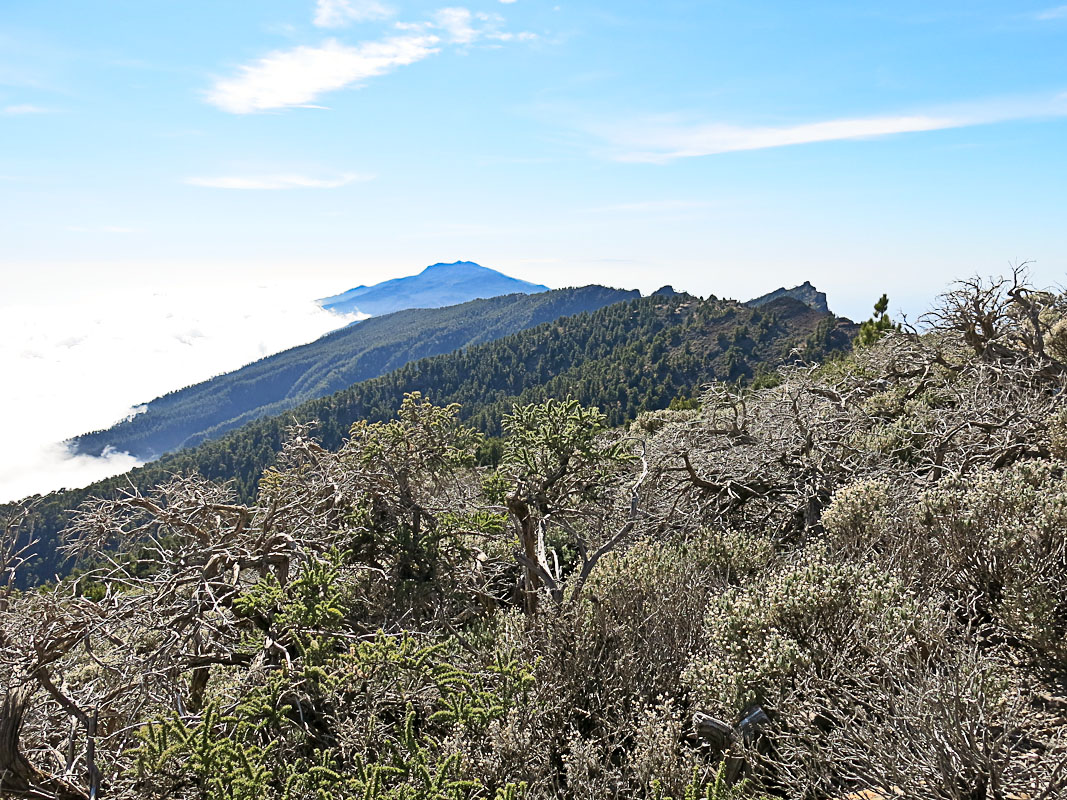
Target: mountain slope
626	358
437	285
375	346
805	293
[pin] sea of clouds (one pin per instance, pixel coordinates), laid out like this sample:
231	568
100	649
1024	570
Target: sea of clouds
81	364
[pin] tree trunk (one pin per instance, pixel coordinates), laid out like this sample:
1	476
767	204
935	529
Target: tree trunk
18	777
528	534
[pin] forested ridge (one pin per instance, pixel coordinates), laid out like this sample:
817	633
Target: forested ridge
848	582
189	416
626	358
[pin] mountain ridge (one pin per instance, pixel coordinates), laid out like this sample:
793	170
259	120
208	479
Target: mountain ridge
340	358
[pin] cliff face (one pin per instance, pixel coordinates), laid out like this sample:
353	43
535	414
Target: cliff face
805	293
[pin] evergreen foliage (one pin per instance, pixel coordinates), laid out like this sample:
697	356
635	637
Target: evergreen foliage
877	326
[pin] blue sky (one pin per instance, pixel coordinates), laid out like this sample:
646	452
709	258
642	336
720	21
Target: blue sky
179	180
716	145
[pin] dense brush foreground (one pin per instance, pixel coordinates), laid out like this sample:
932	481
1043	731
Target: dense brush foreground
851	584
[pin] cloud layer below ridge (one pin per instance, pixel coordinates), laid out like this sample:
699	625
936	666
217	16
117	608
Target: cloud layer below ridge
78	366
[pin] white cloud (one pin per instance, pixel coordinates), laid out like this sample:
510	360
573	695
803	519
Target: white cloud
291	181
51	465
338	13
100	229
522	36
293	78
647	206
1059	12
130	346
25	108
661	139
461	26
456	24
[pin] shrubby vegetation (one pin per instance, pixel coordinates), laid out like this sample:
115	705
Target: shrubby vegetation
848	583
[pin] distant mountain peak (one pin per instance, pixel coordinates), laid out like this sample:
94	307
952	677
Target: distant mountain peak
806	293
443	265
438	285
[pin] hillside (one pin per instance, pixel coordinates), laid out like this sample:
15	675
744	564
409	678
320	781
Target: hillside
437	285
626	358
356	353
847	584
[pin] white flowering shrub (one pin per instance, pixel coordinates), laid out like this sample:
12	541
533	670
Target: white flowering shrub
1057	435
859	515
1002	539
810	617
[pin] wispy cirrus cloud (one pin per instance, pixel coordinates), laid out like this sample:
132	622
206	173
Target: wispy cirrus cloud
666	138
1059	12
647	206
458	24
25	108
100	229
338	13
461	26
274	182
296	78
